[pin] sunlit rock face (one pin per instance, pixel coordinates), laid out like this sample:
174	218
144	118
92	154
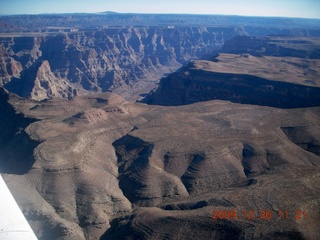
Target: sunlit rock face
124	53
43	67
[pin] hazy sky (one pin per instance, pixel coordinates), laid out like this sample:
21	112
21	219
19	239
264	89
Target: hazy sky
288	8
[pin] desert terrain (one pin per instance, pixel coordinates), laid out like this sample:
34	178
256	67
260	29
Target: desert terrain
225	146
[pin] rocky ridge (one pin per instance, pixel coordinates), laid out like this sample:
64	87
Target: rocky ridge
117	59
103	166
96	166
124	53
281	72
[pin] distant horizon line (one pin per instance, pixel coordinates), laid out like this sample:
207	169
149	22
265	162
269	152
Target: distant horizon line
141	13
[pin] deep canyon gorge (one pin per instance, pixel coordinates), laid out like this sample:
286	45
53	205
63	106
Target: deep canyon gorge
130	126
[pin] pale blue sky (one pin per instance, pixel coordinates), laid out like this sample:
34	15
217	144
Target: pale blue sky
286	8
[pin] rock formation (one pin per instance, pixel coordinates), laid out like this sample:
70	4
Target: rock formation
124	53
118	59
235	156
16	147
103	166
287	79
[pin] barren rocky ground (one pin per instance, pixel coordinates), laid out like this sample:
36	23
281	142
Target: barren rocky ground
226	148
146	171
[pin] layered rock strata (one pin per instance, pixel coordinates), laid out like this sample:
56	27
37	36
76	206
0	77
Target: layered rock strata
118	59
106	167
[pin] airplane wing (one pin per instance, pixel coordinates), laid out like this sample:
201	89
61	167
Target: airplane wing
13	225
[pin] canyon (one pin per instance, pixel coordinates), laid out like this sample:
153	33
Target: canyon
227	120
249	70
47	56
114	59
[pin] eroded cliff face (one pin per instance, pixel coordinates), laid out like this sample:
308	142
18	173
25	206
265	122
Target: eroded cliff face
278	72
114	59
16	147
99	167
195	85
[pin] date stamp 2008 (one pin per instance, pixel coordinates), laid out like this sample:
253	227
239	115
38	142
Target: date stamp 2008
262	214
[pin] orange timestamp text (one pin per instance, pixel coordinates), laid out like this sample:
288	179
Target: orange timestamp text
261	214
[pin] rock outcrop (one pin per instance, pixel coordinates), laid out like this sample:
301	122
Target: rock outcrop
95	166
287	79
105	167
73	194
40	83
117	59
124	53
16	146
193	85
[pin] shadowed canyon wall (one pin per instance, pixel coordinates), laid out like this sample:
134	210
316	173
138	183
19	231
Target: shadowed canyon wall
249	70
195	85
16	146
